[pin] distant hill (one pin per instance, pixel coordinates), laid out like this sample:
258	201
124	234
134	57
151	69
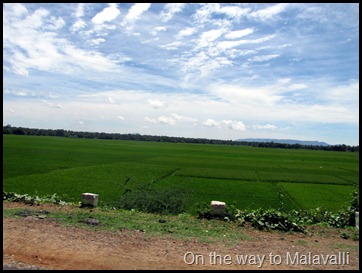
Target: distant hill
285	141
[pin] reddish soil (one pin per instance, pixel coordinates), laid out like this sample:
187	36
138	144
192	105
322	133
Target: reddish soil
33	243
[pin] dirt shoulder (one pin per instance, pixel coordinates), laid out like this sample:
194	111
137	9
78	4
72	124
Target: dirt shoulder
33	243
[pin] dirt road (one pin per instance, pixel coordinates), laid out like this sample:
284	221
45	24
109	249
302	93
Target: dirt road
33	243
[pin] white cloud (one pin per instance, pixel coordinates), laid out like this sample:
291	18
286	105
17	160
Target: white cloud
263	58
297	86
210	123
135	12
238	62
230	44
78	25
204	14
110	99
248	96
203	65
52	96
184	118
17	9
263	127
171	46
80	10
269	12
29	46
166	120
170	10
17	93
233	125
234	53
238	33
162	120
55	23
88	59
284	80
186	32
158	29
120	117
97	41
346	95
233	11
156	104
209	36
106	15
225	124
51	104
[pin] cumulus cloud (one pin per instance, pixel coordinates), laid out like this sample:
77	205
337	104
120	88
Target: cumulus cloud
210	123
162	120
182	118
225	124
172	119
233	125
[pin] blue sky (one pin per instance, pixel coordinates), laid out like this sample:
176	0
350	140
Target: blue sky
220	71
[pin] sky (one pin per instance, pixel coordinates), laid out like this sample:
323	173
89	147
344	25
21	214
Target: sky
216	71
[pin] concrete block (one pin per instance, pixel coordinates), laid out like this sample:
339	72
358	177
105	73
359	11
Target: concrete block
357	219
218	208
89	199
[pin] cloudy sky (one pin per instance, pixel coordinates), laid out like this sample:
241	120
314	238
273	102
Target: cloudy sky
220	71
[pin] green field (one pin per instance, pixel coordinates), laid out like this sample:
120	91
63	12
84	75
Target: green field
250	177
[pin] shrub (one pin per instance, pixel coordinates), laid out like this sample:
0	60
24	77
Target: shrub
29	199
148	198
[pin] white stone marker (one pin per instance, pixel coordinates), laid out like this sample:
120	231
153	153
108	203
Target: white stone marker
89	199
357	219
218	208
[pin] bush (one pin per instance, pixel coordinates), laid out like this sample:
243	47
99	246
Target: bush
294	220
33	200
148	198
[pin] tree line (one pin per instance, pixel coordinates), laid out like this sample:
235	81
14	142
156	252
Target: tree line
8	129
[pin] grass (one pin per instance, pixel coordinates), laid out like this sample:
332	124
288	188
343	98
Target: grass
183	226
319	195
250	177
